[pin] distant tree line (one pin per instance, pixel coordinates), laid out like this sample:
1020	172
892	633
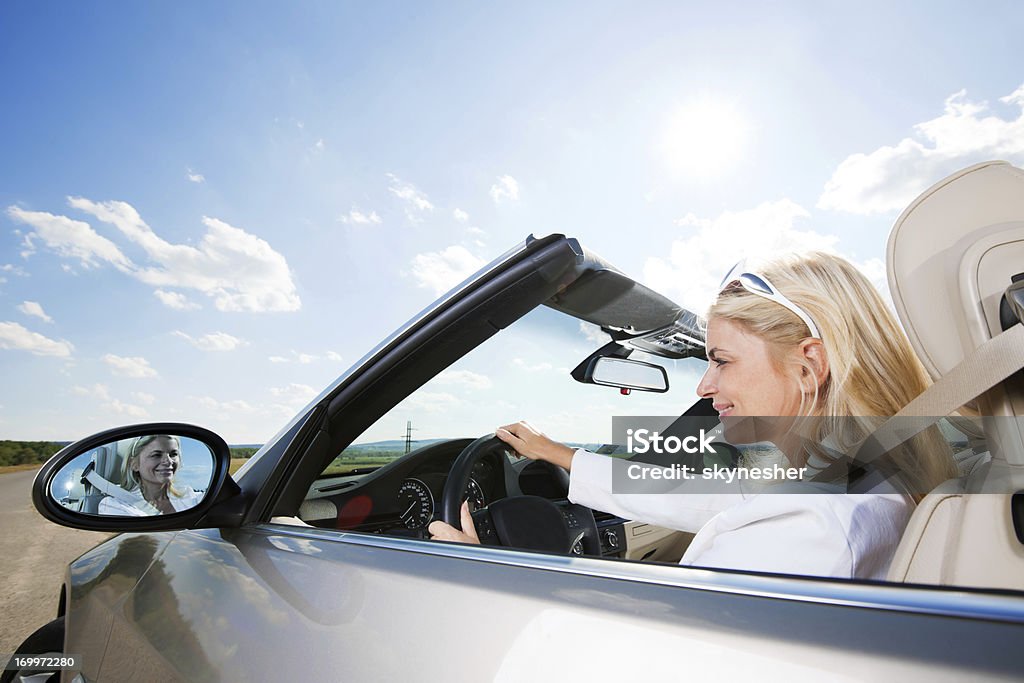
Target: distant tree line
27	452
38	452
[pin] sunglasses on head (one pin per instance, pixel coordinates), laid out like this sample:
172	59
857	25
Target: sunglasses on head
758	284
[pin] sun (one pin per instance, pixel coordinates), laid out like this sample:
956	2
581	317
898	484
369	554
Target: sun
704	138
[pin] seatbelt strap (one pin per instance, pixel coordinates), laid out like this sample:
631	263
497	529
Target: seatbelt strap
979	371
110	488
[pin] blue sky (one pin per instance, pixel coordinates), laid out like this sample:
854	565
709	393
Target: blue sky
209	210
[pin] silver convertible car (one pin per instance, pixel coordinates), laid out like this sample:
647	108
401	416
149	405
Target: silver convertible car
312	562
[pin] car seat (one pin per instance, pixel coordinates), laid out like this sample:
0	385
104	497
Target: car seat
950	258
104	472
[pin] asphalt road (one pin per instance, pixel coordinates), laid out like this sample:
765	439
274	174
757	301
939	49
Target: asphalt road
33	556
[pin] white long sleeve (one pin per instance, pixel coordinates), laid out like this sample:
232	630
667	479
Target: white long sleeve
818	532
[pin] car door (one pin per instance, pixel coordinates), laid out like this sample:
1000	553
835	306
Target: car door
278	602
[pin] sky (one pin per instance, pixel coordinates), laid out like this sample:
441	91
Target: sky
209	211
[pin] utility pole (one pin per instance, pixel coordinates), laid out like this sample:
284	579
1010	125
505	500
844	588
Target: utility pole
408	436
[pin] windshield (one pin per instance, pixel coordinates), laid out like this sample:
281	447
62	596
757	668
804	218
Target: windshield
522	373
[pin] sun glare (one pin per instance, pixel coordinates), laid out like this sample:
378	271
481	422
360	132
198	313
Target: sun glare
704	138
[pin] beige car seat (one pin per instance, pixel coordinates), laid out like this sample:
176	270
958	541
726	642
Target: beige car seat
950	257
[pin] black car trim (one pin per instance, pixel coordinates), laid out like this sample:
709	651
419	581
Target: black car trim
493	301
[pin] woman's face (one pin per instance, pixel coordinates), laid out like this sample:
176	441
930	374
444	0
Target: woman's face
158	460
742	381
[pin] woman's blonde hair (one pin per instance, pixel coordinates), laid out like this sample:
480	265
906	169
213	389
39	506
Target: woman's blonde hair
873	371
129	478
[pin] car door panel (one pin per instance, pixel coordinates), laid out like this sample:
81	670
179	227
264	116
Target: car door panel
343	606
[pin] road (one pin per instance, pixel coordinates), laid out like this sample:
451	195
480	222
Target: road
33	556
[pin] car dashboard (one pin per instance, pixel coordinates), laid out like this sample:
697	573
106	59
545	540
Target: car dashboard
404	496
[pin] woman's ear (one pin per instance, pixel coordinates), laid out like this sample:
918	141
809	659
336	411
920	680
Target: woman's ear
813	353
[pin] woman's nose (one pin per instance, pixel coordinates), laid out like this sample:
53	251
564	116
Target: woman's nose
706	386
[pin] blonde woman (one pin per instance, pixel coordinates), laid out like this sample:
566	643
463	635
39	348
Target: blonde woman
802	352
147	478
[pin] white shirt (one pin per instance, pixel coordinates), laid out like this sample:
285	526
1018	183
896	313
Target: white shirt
817	533
134	505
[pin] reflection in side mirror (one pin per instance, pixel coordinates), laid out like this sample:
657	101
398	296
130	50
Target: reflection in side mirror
628	374
153	474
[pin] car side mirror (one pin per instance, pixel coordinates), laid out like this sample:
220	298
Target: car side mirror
159	476
627	374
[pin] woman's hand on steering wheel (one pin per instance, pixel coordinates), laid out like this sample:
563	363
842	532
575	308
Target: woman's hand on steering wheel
442	531
532	444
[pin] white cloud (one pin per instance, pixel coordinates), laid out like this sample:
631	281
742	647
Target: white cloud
15	337
697	262
691	274
121	408
130	366
416	201
296	395
238	270
594	334
33	308
475	231
194	177
320	145
889	178
357	217
215	341
223	408
464	378
69	238
430	402
175	300
506	188
13	269
460	215
442	270
143	397
303	358
537	367
100	391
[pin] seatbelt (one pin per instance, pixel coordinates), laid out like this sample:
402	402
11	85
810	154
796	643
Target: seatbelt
108	487
982	369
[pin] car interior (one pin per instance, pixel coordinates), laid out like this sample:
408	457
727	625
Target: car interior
951	257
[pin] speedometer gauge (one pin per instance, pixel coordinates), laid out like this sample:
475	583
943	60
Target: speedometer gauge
415	503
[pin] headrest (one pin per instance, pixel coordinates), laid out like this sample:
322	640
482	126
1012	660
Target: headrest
950	257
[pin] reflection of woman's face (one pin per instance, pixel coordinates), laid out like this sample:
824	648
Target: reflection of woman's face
157	461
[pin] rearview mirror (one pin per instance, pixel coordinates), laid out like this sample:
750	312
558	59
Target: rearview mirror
627	374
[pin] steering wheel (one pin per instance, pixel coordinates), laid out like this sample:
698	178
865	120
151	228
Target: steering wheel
528	522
